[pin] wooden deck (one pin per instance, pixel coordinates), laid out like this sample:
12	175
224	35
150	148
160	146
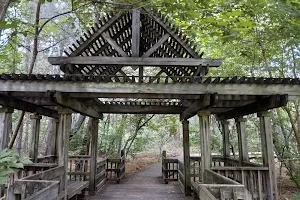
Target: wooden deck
147	184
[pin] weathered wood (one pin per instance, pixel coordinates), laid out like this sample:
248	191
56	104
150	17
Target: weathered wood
242	139
64	129
93	164
135	33
268	153
94	36
153	90
65	101
205	139
137	61
226	143
157	45
54	128
262	104
202	104
114	45
19	104
34	137
186	157
140	109
204	194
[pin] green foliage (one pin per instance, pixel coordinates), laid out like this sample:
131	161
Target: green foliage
10	162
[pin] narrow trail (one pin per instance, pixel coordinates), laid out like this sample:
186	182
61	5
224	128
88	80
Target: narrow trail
147	184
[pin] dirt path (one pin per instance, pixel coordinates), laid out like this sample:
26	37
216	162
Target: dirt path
146	184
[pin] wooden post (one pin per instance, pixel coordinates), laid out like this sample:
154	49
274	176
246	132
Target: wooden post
205	139
34	137
54	127
186	157
5	131
268	153
164	166
242	139
226	144
93	164
64	129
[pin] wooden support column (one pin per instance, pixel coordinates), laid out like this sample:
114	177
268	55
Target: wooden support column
54	128
64	129
205	140
268	153
34	137
93	164
186	157
5	131
226	144
242	139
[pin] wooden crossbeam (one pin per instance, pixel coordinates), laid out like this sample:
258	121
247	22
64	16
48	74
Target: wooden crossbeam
156	46
140	109
152	90
65	101
207	101
94	36
262	104
135	46
114	45
130	61
174	35
8	101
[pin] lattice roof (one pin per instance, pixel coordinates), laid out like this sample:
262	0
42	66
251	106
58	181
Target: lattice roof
126	35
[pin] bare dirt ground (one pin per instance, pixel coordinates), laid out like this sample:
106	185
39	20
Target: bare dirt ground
286	188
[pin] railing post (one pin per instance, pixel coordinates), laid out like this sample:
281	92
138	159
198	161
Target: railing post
5	131
268	153
242	140
164	166
34	137
93	159
64	129
205	139
54	127
186	157
123	159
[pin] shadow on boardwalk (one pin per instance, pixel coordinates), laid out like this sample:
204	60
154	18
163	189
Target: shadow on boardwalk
147	184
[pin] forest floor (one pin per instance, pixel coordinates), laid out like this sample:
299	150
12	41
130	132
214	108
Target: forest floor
286	188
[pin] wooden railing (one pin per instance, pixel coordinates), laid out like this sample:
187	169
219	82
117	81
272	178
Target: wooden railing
195	168
79	167
100	173
115	168
40	185
47	159
253	178
169	168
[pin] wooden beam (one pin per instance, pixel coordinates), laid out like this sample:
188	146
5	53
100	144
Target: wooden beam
135	46
93	163
157	45
174	35
202	104
114	45
151	90
263	104
139	109
8	101
65	101
131	61
94	36
34	137
186	157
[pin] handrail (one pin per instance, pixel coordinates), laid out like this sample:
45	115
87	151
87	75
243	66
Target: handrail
115	168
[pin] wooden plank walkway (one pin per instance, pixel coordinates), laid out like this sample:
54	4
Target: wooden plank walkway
146	185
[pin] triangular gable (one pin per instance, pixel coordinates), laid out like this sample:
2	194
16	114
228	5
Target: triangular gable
116	36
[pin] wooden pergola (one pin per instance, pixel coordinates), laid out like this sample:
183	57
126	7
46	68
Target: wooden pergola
136	62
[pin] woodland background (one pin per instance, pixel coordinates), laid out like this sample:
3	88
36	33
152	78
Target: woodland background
254	37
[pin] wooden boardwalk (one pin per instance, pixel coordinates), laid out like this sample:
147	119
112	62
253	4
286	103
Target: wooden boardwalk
147	185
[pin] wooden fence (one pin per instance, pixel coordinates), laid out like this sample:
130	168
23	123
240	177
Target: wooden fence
115	168
247	181
79	167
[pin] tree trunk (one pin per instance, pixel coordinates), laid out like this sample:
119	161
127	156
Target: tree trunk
3	8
